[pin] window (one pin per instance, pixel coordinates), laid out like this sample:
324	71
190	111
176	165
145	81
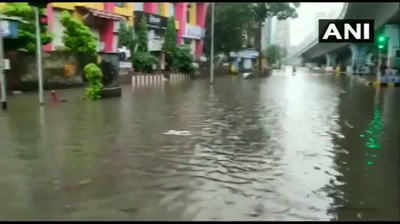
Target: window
158	34
188	13
187	41
120	4
58	30
171	8
138	6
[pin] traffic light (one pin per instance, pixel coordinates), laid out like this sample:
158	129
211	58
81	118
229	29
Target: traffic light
382	42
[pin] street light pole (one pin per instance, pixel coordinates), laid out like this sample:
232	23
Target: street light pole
379	67
212	45
39	55
2	78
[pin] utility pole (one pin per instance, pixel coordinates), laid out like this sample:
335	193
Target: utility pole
2	78
39	55
379	67
212	45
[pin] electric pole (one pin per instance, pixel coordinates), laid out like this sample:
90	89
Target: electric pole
212	45
39	55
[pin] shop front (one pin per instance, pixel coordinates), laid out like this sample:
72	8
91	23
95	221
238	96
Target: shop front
193	36
157	26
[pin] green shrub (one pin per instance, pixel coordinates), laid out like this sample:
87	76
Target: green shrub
143	61
182	60
94	76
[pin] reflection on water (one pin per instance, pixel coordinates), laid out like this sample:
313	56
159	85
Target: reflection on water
372	134
283	148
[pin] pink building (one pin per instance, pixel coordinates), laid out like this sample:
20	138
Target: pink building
100	17
191	19
103	19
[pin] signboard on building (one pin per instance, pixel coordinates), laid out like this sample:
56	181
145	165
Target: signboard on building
154	44
8	29
194	32
246	53
153	21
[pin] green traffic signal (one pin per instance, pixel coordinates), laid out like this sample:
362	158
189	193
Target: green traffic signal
382	41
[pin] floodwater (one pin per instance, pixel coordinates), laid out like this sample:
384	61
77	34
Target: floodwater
302	147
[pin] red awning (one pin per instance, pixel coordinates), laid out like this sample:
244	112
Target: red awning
104	14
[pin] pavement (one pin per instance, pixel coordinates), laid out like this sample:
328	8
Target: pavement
369	80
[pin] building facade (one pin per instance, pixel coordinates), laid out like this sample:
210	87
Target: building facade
102	18
190	21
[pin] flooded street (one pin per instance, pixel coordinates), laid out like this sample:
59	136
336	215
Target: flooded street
304	147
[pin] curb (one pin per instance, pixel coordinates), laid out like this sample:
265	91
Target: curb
382	84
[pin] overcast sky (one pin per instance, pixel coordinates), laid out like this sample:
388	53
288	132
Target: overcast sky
302	26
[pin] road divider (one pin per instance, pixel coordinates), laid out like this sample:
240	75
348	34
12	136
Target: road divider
157	79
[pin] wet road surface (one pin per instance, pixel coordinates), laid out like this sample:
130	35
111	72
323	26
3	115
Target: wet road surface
303	147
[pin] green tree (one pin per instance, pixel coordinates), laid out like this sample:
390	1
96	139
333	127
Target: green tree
26	31
125	35
229	22
274	54
170	45
182	59
261	11
170	36
141	38
231	19
78	38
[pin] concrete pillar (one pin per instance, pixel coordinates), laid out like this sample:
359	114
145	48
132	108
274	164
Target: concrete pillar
150	7
107	35
358	56
50	27
201	20
393	32
109	6
180	14
331	59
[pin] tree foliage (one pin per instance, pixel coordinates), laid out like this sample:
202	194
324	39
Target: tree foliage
182	59
143	61
125	37
274	53
78	38
141	37
231	19
229	22
172	53
170	36
94	76
26	32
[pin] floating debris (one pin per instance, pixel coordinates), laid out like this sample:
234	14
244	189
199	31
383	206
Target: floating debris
348	124
180	133
84	182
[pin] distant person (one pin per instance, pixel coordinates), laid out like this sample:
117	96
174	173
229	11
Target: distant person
294	70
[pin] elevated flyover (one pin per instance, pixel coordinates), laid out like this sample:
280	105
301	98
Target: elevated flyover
381	12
